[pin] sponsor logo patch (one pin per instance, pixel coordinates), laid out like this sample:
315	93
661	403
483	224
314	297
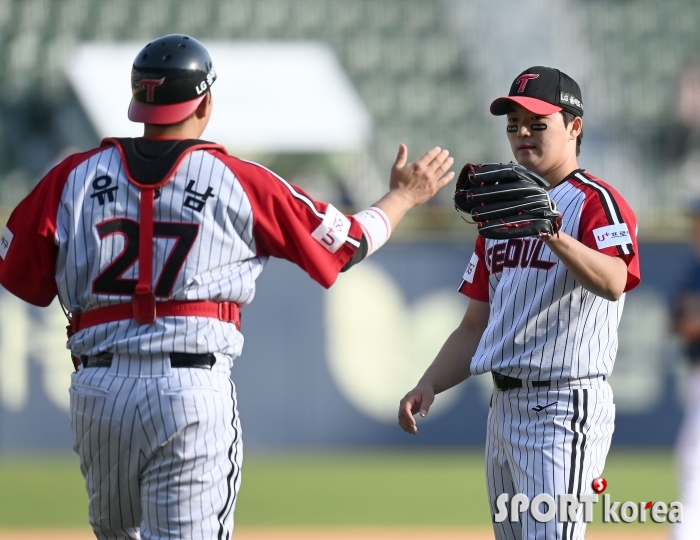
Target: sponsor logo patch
202	87
333	230
612	235
5	241
568	98
471	269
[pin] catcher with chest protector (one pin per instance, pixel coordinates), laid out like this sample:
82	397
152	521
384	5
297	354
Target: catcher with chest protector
556	252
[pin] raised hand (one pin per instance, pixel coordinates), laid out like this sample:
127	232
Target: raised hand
423	178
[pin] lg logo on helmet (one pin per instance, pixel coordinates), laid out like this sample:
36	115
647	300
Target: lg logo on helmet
202	87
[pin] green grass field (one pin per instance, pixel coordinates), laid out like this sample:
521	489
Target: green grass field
372	488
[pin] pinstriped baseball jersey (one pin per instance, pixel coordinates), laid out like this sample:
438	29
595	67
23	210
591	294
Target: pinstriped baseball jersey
543	324
217	221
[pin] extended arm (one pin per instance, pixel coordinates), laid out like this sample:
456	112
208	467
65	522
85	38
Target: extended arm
601	274
450	367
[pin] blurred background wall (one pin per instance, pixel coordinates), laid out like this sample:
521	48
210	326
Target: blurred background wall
328	367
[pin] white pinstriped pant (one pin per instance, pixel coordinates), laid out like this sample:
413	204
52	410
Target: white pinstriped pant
560	449
160	448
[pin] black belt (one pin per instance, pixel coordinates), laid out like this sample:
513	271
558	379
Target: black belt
504	382
177	360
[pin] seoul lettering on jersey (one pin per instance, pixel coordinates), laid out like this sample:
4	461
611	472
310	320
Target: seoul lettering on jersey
517	252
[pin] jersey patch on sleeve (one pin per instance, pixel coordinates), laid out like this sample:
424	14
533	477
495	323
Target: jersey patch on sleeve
471	269
612	235
5	241
333	230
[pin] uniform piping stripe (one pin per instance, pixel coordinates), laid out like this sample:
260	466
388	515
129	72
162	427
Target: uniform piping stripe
299	196
353	242
230	494
295	193
572	468
583	448
610	206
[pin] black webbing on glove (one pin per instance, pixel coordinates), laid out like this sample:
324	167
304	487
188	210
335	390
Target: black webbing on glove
506	201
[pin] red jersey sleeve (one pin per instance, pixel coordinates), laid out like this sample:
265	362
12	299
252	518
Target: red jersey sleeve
608	225
289	224
475	281
28	247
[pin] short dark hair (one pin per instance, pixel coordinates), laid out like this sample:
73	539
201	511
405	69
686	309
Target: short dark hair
568	118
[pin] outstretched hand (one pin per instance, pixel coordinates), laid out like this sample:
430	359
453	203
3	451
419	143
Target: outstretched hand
417	401
420	180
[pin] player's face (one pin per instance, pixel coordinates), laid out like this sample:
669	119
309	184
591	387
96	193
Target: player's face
540	143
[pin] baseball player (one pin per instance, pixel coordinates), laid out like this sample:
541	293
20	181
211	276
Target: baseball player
153	244
686	323
542	318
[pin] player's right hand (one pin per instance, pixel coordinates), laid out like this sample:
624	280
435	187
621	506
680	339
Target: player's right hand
423	178
416	401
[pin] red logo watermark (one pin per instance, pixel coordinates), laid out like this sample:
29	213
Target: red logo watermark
599	485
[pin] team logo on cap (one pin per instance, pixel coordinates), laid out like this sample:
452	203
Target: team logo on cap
524	79
150	85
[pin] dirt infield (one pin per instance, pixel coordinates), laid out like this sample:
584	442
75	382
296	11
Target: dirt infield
414	533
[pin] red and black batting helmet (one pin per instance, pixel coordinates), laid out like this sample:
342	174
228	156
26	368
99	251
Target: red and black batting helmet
169	79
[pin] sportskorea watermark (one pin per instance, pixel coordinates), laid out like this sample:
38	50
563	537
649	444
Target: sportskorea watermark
572	509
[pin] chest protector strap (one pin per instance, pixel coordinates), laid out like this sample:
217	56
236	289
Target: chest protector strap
149	174
224	311
144	301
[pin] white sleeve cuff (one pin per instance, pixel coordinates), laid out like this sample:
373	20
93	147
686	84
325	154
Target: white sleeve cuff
375	226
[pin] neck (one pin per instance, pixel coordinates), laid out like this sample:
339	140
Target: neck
556	175
184	130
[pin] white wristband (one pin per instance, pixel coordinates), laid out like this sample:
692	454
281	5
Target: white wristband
376	227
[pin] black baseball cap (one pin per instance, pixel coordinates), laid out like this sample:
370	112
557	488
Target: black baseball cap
542	90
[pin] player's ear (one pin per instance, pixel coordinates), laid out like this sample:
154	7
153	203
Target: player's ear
575	127
204	106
